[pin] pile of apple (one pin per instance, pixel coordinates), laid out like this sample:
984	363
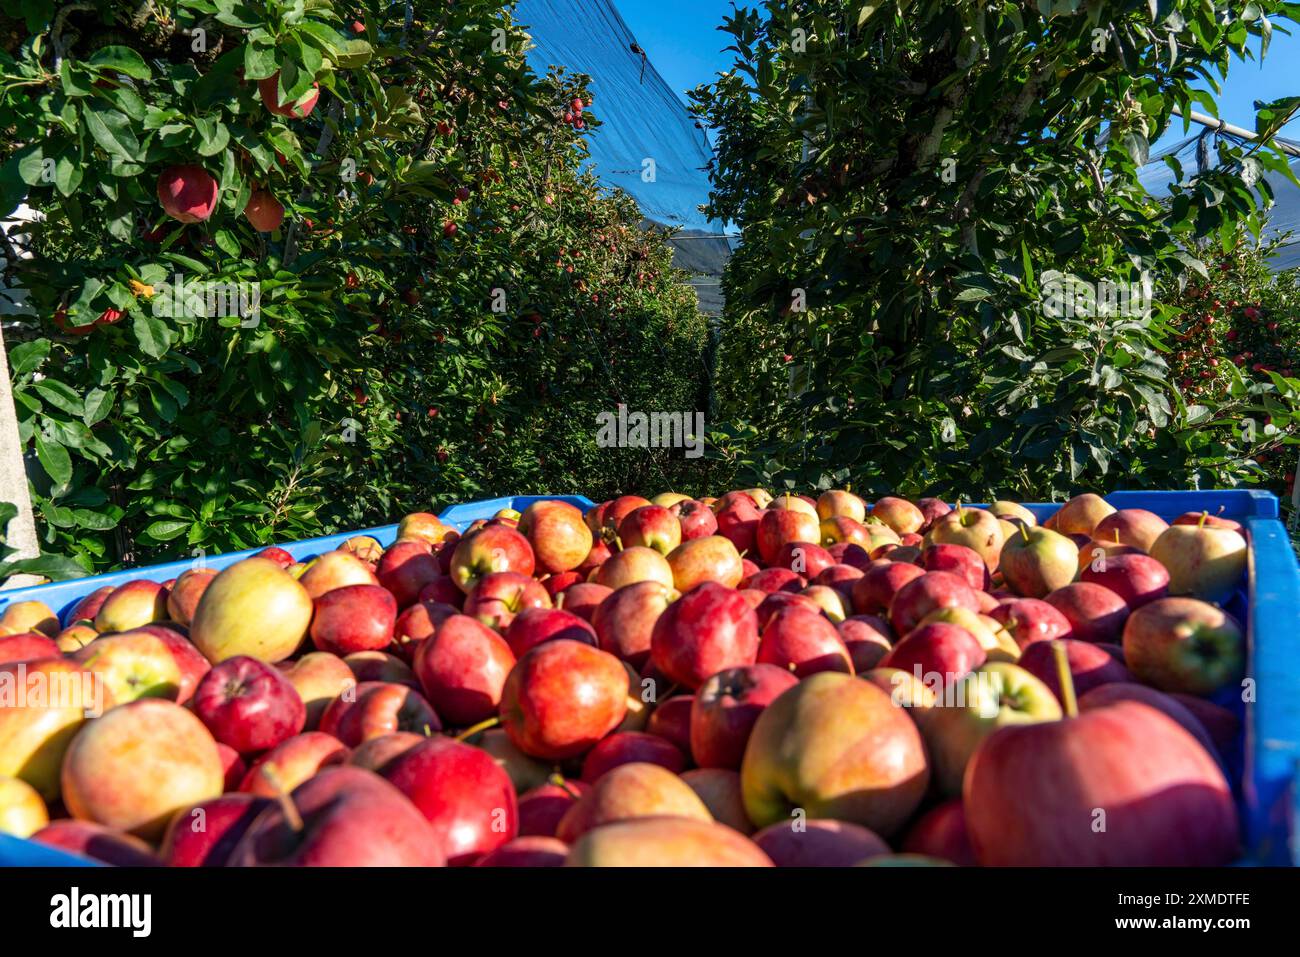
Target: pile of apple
745	680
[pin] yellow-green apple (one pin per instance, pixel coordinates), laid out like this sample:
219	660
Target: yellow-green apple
291	762
205	834
354	618
132	664
1138	579
183	597
881	580
1120	785
669	499
830	601
997	643
343	817
1203	561
525	772
868	638
631	747
381	666
904	688
993	696
631	791
527	852
665	842
837	747
377	707
1028	620
405	569
559	536
972	527
958	559
541	808
922	595
881	539
941	833
135	603
1036	561
1095	613
537	703
254	607
88	607
712	558
462	792
1131	526
493	548
710	628
43	704
423	525
249	705
899	514
105	844
635	564
374	753
738	521
319	677
22	812
671	720
625	620
1081	514
532	626
1090	665
1104	695
582	598
835	502
651	526
818	843
336	569
138	764
27	646
76	635
939	653
781	526
463	666
23	616
803	642
365	548
1013	510
725	708
719	789
497	597
695	518
1184	645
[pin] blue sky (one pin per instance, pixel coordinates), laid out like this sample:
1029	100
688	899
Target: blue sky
680	38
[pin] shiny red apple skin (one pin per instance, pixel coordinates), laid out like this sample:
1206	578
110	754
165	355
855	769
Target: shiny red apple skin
868	639
706	630
462	669
443	590
804	642
249	705
1107	694
377	708
696	519
27	646
493	548
1028	620
354	618
941	833
537	704
671	720
352	818
725	708
559	536
739	523
775	579
937	648
629	747
292	762
498	596
1137	579
782	526
921	596
1033	794
405	568
1095	613
1090	665
960	560
819	843
880	581
206	834
462	792
652	526
625	621
583	598
417	624
804	558
532	626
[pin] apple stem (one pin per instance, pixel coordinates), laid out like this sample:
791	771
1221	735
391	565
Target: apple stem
290	810
1205	516
1068	701
474	729
560	782
1024	531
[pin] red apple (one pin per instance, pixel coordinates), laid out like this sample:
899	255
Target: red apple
497	597
135	603
183	597
1028	620
665	842
373	754
651	526
1095	613
696	519
583	598
26	646
880	581
105	844
493	548
1184	645
776	579
532	626
405	569
291	762
1137	579
542	807
263	211
133	664
818	843
782	526
301	108
706	630
1104	695
463	794
928	593
725	708
868	639
233	767
628	747
625	620
376	707
380	666
537	703
559	536
671	720
803	642
938	649
462	669
1130	526
941	833
527	852
631	791
354	618
899	514
738	522
1222	725
712	559
417	624
635	564
249	705
720	791
187	193
1090	665
205	834
336	569
443	591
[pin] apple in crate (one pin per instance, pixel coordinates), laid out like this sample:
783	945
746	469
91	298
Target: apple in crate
254	607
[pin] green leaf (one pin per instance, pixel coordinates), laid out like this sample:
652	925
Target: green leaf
27	356
165	531
122	60
97	405
151	334
59	395
55	460
54	567
112	131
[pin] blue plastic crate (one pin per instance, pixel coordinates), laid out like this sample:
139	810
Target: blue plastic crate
1268	787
